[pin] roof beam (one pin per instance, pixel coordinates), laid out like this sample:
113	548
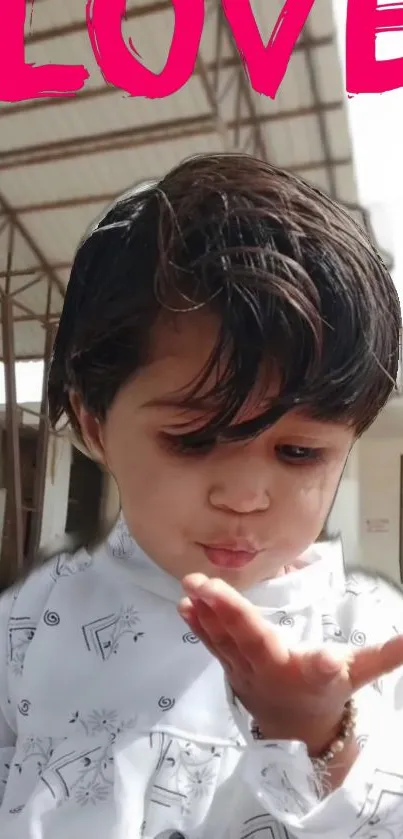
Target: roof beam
32	270
15	222
322	125
244	91
159	132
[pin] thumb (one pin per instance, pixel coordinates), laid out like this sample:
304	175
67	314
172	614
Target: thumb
370	663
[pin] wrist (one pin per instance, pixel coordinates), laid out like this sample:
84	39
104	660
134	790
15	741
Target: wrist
324	738
332	773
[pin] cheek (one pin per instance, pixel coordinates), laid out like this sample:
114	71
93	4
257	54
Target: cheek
310	492
147	478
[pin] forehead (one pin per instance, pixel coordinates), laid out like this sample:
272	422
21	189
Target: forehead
180	349
186	336
181	346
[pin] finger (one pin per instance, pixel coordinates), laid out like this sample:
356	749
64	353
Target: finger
253	636
193	582
221	640
371	663
188	612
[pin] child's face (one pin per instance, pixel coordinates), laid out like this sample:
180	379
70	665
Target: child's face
267	498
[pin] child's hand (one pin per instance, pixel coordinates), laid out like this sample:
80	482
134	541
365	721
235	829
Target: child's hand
291	694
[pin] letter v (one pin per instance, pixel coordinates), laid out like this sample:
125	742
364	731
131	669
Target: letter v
266	65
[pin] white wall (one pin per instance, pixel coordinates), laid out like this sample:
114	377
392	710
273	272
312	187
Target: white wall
366	511
56	490
379	472
345	514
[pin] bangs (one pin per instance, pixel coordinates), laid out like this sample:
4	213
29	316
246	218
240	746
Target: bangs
277	327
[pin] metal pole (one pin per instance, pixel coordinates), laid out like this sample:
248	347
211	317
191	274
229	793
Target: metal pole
42	446
14	518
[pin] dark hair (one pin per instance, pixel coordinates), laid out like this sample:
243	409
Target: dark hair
299	290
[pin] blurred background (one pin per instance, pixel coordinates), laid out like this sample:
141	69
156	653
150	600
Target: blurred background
62	161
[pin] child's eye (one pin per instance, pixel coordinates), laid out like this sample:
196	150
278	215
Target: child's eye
176	445
299	454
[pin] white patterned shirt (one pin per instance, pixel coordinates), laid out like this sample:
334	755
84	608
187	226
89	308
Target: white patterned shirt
117	723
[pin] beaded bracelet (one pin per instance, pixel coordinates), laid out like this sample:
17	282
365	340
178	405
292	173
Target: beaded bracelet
345	730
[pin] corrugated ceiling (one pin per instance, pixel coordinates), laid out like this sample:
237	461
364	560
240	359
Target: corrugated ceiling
62	160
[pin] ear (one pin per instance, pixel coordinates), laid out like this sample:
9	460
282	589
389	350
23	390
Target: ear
91	429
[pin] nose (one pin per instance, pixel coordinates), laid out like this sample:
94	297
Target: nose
241	491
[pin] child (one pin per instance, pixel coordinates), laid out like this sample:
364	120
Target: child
227	334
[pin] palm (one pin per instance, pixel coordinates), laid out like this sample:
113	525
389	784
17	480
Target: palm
271	680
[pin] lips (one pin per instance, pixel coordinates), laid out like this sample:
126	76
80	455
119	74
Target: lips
236	555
